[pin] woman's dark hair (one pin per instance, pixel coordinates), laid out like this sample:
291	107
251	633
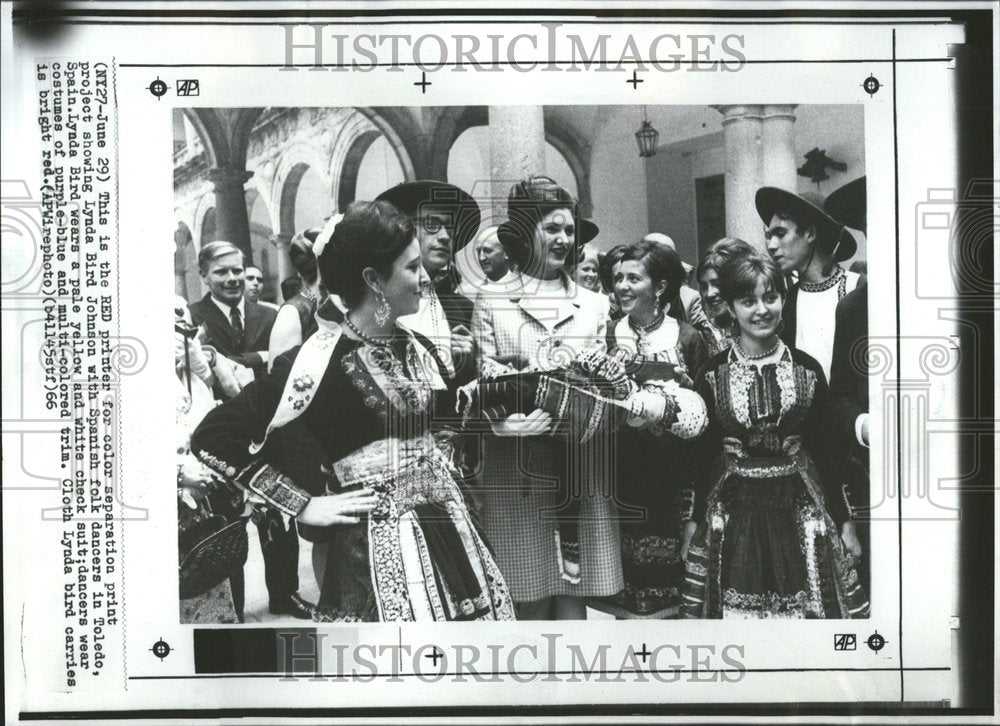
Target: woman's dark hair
607	265
290	287
720	253
371	234
740	275
300	250
661	263
527	204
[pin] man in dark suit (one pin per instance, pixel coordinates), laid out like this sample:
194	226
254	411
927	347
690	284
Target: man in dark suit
240	330
236	327
849	372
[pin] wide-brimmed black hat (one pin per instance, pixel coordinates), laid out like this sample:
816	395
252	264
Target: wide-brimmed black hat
588	231
411	197
849	204
831	234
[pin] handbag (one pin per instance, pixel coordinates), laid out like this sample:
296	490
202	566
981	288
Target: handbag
212	540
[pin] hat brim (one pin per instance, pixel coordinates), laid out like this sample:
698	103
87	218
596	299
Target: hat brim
507	232
409	197
849	204
770	200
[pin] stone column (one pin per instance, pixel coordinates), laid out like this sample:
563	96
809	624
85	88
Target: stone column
182	238
742	128
779	161
280	242
231	221
517	150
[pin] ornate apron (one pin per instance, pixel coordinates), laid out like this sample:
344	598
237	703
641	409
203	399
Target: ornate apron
427	561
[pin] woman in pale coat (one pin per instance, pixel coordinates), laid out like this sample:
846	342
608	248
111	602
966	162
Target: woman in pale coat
542	325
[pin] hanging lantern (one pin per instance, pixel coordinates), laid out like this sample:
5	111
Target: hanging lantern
646	137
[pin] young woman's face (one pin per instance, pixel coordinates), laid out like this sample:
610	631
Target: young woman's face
402	287
587	275
758	313
708	286
555	238
637	293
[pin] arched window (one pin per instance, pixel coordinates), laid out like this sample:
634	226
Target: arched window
469	163
377	170
312	200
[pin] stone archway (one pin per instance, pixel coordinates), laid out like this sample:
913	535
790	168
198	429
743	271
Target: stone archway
347	186
452	122
225	134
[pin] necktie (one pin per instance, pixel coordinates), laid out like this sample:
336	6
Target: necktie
237	322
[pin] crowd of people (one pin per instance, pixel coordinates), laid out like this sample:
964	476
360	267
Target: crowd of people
616	430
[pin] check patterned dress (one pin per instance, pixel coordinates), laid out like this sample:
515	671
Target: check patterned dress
545	324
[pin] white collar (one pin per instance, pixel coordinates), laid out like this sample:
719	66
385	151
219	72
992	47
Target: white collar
227	309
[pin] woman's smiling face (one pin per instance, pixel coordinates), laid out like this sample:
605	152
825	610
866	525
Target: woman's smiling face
637	294
555	238
758	313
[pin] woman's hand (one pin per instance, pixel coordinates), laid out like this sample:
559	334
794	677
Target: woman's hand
517	424
225	374
462	342
849	537
689	530
344	508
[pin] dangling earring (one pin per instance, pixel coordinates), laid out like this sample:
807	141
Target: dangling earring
383	310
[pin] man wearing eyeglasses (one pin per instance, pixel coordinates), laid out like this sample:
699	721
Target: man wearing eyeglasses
445	218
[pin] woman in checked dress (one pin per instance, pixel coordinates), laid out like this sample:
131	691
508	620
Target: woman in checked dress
541	325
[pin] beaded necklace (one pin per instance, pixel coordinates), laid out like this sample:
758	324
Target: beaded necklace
381	354
837	276
642	331
760	356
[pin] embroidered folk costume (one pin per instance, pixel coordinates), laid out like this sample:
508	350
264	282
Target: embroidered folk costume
654	473
373	409
770	507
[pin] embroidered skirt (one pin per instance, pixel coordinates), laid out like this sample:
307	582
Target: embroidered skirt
523	493
655	498
418	557
768	550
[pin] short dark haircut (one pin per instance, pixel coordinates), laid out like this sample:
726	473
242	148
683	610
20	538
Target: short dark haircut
371	234
607	266
527	204
214	250
661	263
740	275
290	287
720	253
